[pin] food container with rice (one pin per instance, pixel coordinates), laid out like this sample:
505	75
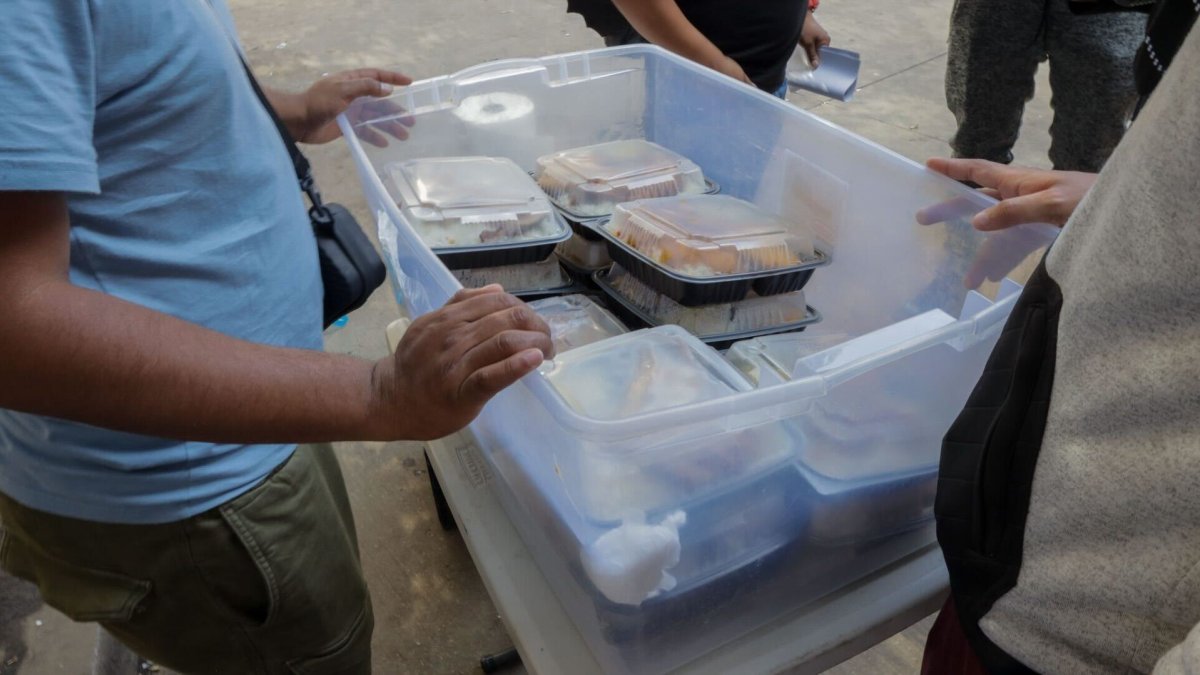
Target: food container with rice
476	211
704	249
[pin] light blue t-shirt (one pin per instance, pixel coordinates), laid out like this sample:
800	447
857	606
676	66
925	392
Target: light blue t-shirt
182	199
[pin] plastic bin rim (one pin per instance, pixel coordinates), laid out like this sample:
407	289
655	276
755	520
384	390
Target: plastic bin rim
503	67
798	391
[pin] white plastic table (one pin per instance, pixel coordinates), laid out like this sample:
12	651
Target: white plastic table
818	637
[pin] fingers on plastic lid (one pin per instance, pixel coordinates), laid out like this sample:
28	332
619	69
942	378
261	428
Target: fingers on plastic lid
490	380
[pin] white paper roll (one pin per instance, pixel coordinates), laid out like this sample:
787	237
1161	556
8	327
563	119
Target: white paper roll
500	124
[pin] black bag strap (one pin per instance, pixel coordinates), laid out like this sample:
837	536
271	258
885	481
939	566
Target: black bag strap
318	214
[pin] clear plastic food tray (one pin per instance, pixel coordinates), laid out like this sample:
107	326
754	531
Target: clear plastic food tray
590	181
703	249
543	275
643	372
576	321
476	211
719	324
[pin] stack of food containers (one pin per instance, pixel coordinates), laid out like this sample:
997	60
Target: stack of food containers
587	183
710	257
685	256
680	505
485	219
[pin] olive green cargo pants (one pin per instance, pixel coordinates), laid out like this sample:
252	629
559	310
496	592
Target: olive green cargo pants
270	582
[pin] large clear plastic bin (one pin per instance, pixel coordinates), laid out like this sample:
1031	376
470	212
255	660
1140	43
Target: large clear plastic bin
903	342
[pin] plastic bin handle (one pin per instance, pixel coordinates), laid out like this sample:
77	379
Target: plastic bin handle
876	348
496	68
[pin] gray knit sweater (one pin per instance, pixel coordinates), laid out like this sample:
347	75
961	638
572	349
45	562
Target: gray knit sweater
1110	574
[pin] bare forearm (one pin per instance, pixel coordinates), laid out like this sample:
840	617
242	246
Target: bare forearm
664	24
81	355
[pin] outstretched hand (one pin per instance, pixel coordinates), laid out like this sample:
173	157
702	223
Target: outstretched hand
1026	195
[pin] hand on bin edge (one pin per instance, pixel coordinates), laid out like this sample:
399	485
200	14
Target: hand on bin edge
451	361
332	95
1026	196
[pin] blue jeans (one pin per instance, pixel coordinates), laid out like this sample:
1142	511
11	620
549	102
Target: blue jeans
782	91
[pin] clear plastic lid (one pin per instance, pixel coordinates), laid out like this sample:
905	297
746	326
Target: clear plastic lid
537	276
592	180
641	372
576	321
710	235
752	314
471	201
770	359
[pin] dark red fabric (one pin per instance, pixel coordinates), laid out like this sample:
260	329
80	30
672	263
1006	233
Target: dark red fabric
947	651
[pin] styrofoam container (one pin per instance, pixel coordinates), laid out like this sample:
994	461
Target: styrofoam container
575	321
476	209
591	181
898	326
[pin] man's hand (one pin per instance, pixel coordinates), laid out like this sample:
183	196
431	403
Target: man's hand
329	97
812	37
452	361
1026	195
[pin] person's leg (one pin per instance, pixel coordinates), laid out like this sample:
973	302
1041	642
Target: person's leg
993	55
1091	76
268	583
